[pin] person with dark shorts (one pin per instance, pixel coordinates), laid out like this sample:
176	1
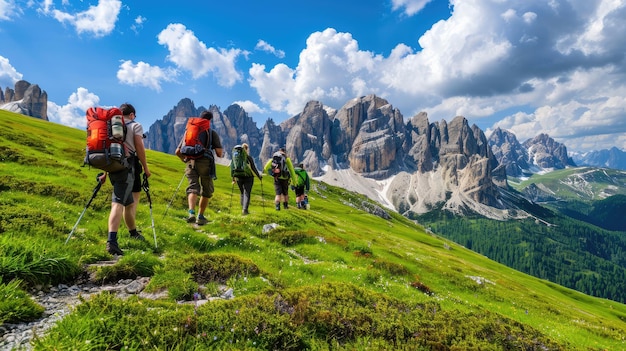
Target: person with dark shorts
303	185
282	180
200	173
127	183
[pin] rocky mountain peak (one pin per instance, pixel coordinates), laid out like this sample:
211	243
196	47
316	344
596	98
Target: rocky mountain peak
539	154
547	153
26	99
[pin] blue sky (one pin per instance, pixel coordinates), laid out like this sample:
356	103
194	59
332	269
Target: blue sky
529	66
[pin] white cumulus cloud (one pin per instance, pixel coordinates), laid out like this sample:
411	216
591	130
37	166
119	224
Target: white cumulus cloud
98	20
72	114
143	74
188	53
331	69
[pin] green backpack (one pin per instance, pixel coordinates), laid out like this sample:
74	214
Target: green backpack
239	166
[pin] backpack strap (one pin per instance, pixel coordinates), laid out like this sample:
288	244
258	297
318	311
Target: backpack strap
209	147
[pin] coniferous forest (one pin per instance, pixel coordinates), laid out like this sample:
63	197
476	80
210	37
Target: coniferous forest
568	252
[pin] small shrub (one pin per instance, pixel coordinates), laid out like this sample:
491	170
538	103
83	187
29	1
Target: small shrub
360	250
422	287
34	262
16	305
179	284
220	267
393	268
129	266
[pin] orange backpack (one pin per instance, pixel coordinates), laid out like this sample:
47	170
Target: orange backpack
106	132
197	140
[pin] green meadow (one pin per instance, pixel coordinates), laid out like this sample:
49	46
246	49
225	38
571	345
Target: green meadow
334	277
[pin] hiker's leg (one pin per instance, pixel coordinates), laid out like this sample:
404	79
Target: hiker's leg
204	201
247	185
122	197
192	199
130	212
115	217
278	192
206	186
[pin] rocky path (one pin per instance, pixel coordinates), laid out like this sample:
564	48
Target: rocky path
59	301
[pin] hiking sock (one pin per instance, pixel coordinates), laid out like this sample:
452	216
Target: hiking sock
192	212
112	237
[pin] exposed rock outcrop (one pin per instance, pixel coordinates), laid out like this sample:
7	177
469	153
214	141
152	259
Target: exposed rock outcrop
546	153
27	99
538	154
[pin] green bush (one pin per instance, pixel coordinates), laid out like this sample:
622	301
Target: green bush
130	266
16	305
220	267
34	262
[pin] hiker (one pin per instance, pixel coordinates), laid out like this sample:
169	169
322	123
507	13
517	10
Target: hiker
127	182
243	173
303	185
200	168
281	168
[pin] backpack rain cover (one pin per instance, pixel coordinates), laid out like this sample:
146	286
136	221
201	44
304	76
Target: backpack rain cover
195	142
239	166
100	140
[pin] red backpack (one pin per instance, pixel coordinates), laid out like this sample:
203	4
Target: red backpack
197	138
106	132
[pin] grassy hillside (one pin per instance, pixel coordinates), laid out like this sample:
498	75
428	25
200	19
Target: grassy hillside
333	277
581	183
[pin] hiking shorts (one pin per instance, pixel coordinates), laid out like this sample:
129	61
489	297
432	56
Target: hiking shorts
122	182
199	174
299	190
281	186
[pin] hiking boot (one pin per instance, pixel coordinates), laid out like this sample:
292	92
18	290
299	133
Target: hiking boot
202	220
138	236
285	205
302	205
191	218
245	212
277	207
113	249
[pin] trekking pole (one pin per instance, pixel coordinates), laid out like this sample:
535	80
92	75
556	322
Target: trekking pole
174	195
93	195
262	197
146	188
